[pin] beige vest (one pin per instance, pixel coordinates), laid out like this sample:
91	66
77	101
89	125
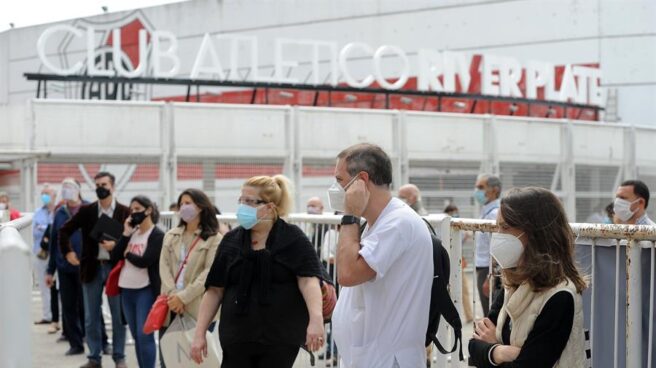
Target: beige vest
524	306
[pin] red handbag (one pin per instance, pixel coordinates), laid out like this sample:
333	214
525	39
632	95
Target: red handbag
329	300
111	286
157	315
160	309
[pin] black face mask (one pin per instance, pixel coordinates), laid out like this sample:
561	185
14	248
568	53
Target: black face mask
137	218
102	192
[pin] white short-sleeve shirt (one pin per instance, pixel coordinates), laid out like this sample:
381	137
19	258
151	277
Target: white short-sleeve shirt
383	321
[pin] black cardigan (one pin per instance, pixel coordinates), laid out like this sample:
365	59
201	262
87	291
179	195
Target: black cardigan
544	344
262	302
150	258
85	219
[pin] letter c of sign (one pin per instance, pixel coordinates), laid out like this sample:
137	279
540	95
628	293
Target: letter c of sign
343	55
41	49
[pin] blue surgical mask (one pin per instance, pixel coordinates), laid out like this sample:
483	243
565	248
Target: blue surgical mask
479	195
247	216
45	198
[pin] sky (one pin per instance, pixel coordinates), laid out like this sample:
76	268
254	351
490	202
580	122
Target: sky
24	13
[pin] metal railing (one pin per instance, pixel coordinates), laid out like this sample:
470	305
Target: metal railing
632	250
15	288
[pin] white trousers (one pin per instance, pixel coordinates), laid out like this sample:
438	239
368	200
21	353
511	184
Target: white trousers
40	268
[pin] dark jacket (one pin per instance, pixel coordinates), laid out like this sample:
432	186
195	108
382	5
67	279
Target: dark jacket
57	262
150	258
85	219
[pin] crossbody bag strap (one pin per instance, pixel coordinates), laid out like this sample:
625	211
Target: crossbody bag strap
184	262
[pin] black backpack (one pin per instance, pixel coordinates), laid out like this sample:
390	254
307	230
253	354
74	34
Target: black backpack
441	304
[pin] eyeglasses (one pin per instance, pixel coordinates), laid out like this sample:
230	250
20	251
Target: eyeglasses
250	202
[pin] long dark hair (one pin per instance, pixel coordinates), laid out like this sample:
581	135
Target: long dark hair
548	258
147	203
208	224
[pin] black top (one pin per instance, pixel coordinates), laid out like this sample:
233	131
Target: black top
262	302
544	344
150	258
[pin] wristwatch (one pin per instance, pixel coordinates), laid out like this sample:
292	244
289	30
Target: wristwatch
350	219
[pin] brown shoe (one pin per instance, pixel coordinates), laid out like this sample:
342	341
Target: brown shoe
91	364
121	364
54	327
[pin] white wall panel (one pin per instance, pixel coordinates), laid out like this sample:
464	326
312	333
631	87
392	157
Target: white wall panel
444	137
645	145
325	132
520	140
14	126
598	144
89	128
230	131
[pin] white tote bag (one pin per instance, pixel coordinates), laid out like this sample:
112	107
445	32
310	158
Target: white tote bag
176	345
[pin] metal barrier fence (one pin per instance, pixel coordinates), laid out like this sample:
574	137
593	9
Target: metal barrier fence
15	288
608	254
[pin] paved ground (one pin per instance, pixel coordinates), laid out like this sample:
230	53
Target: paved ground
47	353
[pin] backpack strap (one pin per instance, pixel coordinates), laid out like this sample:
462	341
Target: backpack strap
451	316
430	227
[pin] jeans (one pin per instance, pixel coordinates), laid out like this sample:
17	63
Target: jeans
70	289
136	305
92	295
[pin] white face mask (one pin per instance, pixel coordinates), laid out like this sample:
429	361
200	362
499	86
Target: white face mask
622	209
69	193
337	195
3	206
506	249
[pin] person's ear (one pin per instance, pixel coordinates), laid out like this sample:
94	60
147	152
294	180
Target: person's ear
364	176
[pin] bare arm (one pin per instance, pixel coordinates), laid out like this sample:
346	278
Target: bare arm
209	305
352	269
311	291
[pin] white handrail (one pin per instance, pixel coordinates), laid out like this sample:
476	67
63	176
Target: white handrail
15	288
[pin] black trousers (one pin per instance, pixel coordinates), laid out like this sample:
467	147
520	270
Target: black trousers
70	288
54	303
256	355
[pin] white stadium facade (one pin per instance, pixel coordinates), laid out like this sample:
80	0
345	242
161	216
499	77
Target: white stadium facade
559	94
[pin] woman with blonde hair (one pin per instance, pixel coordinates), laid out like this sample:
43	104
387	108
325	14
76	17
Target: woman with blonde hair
266	278
538	320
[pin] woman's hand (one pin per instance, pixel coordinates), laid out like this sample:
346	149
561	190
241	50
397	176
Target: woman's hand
485	330
505	354
176	304
314	338
128	230
199	347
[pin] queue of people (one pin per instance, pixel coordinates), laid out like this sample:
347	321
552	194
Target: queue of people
261	282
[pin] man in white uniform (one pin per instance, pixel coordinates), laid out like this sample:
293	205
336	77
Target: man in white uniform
381	315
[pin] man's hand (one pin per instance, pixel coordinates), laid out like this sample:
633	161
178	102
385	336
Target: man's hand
108	245
71	257
357	198
49	280
176	304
